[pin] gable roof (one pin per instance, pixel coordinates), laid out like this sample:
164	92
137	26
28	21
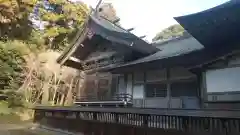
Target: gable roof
108	31
112	32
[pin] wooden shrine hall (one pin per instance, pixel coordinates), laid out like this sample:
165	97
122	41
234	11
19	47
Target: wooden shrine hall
121	67
185	85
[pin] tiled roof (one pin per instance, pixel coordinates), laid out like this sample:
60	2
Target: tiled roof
170	49
215	27
117	34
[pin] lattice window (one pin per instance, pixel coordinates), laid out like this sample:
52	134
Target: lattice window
156	90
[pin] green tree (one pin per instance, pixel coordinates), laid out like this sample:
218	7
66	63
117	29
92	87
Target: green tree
13	10
66	19
19	41
14	18
12	63
170	32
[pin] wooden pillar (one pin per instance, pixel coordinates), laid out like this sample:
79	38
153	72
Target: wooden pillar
200	88
114	85
110	79
203	89
96	81
168	88
144	89
81	85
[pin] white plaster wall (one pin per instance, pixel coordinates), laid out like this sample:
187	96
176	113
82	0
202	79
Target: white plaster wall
129	84
223	80
224	97
156	102
176	102
138	91
121	85
138	85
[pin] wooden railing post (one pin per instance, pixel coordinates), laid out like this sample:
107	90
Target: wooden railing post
145	123
116	117
225	126
185	124
94	116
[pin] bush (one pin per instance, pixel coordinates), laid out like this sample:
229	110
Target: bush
4	109
14	99
12	63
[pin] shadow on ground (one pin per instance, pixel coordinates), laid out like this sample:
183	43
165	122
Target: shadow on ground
12	125
16	129
17	132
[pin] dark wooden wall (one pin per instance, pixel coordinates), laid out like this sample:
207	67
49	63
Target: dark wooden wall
97	85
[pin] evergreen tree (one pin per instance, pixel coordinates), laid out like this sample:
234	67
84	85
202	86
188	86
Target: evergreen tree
170	32
20	36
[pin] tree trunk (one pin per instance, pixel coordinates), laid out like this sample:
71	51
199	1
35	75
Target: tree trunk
62	99
45	96
69	99
56	87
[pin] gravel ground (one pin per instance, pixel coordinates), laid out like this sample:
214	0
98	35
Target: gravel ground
19	129
31	129
13	129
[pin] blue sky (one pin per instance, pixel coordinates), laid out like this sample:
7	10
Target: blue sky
149	17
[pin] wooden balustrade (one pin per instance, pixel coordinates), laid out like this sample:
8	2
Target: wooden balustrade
177	121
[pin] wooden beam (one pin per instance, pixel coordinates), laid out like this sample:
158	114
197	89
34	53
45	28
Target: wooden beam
74	59
131	29
142	36
116	21
214	60
214	113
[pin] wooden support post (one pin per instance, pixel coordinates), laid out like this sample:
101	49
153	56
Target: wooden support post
200	89
168	88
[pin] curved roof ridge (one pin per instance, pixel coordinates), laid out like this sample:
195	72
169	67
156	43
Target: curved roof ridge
223	5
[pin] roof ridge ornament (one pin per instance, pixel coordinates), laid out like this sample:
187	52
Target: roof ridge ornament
97	7
90	33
